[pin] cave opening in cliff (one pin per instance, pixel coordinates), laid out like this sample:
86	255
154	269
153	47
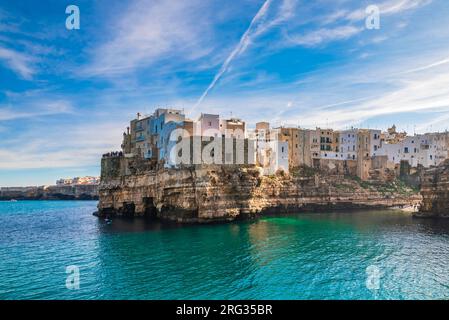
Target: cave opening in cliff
129	208
150	210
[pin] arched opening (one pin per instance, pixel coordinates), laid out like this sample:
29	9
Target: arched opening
128	209
150	210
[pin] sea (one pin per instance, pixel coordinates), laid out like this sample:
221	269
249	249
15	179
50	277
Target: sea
59	250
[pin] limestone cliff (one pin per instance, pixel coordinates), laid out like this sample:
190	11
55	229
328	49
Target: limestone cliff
75	192
435	192
206	193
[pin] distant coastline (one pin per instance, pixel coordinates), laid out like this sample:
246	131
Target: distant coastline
64	192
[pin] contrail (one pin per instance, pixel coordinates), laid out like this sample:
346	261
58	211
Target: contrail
241	46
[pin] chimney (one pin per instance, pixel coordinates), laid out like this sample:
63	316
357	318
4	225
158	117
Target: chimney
138	115
127	130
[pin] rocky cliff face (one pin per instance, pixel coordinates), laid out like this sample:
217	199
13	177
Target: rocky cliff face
435	192
207	193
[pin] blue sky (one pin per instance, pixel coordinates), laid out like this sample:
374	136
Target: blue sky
67	95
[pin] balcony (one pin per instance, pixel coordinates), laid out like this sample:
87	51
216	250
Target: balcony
139	128
140	138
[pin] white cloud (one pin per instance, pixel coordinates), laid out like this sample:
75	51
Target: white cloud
388	7
151	31
397	6
324	35
414	96
62	146
20	63
346	23
35	109
429	66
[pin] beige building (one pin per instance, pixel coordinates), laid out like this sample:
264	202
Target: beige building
291	137
232	128
363	154
307	146
139	134
331	149
392	136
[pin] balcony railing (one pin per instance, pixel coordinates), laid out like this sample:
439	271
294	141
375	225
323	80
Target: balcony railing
140	138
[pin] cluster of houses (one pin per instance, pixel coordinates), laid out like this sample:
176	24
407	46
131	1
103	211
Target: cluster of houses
362	152
88	180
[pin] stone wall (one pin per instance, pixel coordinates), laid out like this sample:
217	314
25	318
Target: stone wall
336	166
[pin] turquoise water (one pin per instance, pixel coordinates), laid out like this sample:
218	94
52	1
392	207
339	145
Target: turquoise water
308	256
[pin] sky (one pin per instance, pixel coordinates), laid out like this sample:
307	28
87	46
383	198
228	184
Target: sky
66	96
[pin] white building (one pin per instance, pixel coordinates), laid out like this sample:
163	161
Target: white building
271	154
208	125
374	142
348	144
428	149
331	155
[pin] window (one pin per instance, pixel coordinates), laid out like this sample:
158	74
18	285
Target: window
282	149
406	150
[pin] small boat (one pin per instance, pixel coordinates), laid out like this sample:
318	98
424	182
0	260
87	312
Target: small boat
13	200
